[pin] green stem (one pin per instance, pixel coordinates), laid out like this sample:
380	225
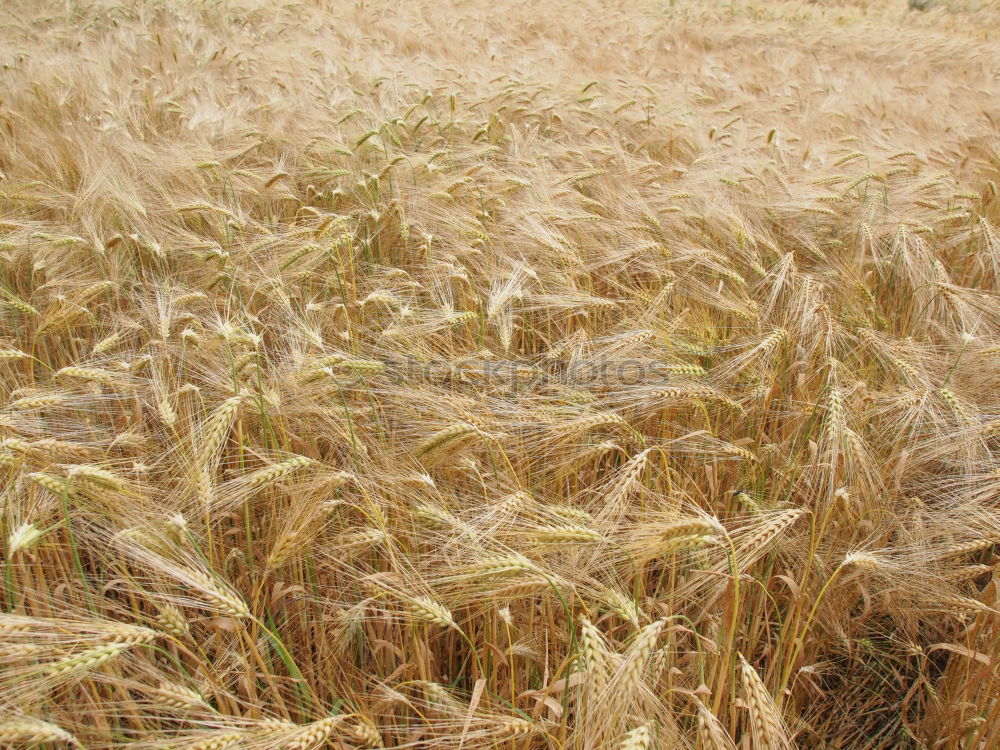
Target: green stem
64	498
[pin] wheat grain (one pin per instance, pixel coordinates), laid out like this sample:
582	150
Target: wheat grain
276	471
565	535
28	732
172	621
313	735
85	661
638	655
219	741
765	721
24	537
215	595
640	738
213	430
426	609
365	732
177	696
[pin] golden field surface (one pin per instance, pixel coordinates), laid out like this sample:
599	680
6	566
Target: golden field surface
514	375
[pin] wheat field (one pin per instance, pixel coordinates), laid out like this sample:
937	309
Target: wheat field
550	374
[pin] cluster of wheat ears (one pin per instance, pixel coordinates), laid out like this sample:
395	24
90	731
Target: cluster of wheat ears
231	517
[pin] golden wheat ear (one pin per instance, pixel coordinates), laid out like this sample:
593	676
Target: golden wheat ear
28	732
766	724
